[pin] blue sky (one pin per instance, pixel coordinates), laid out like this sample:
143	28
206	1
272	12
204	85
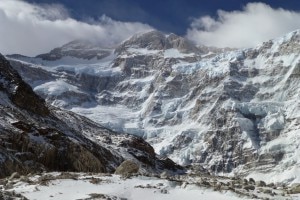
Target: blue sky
31	27
165	15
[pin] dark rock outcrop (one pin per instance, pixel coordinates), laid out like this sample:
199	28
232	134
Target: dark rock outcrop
20	92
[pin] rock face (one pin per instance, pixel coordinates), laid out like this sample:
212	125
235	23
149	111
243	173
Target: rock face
233	111
36	137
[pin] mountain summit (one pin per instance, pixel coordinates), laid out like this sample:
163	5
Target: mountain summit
155	40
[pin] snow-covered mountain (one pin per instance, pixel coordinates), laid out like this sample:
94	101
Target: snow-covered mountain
35	137
231	111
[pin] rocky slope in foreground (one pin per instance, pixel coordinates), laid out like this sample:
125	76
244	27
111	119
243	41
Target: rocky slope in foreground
36	137
231	112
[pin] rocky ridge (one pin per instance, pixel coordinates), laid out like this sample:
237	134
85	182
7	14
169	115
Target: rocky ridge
37	137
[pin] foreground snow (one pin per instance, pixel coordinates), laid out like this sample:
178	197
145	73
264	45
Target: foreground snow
84	186
132	189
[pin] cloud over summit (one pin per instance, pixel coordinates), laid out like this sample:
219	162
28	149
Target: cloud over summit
32	29
256	23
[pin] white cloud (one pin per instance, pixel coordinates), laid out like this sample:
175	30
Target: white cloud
256	23
33	29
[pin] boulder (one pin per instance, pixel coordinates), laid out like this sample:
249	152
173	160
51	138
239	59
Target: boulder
127	168
249	187
267	191
14	175
295	189
251	181
165	175
261	184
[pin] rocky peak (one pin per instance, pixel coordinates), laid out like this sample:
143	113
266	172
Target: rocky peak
286	45
182	44
156	40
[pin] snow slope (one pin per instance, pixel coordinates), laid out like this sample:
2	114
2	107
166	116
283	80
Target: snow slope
115	186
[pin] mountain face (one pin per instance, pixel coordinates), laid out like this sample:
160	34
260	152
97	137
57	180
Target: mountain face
231	111
36	137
